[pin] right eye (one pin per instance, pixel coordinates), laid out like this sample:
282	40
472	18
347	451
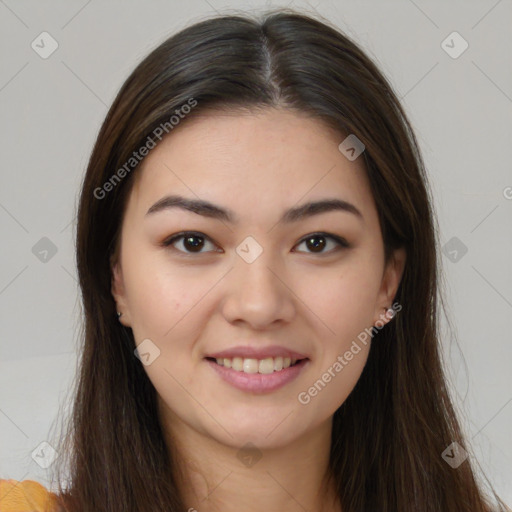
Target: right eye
190	240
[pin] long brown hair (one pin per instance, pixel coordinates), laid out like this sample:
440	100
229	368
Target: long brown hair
389	434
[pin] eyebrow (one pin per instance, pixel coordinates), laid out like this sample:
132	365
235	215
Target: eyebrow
207	209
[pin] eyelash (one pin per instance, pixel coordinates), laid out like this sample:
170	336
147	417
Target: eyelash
342	243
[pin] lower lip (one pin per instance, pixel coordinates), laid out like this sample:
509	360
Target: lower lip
258	382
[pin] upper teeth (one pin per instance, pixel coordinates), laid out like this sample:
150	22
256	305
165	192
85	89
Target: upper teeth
248	365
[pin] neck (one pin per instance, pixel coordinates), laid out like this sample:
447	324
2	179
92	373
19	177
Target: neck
219	478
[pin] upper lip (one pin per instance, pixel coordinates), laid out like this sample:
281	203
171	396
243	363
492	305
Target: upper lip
251	352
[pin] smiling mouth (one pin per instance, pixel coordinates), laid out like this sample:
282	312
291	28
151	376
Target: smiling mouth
251	365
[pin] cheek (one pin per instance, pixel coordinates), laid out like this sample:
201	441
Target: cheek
159	294
153	303
345	306
343	300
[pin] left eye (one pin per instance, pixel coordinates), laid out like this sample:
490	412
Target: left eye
194	242
313	241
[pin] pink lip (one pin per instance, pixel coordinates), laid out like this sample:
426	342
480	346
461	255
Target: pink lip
258	382
257	353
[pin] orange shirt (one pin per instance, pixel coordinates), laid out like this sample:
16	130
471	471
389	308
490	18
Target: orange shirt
26	496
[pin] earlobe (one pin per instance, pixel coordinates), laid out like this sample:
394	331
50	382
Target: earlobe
117	290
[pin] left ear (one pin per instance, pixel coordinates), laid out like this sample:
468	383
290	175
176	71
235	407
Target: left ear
117	289
389	285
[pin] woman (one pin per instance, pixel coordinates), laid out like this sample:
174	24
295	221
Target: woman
256	251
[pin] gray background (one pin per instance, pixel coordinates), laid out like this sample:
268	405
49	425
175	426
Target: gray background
51	110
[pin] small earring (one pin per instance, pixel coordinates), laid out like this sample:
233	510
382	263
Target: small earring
119	315
390	312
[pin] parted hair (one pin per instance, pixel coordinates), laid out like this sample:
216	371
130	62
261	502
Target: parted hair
389	434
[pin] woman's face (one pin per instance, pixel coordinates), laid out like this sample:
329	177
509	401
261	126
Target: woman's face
253	286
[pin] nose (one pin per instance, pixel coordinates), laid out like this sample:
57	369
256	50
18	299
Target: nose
258	293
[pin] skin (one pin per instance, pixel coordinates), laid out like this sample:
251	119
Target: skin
190	304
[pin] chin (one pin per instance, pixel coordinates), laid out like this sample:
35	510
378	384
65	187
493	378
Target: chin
263	428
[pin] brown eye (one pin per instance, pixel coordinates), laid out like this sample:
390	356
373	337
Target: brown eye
191	242
316	242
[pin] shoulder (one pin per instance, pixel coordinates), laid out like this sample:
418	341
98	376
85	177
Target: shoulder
25	496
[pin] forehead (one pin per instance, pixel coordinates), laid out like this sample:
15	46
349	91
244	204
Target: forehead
251	161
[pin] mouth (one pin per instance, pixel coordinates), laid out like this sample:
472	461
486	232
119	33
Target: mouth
264	366
257	376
